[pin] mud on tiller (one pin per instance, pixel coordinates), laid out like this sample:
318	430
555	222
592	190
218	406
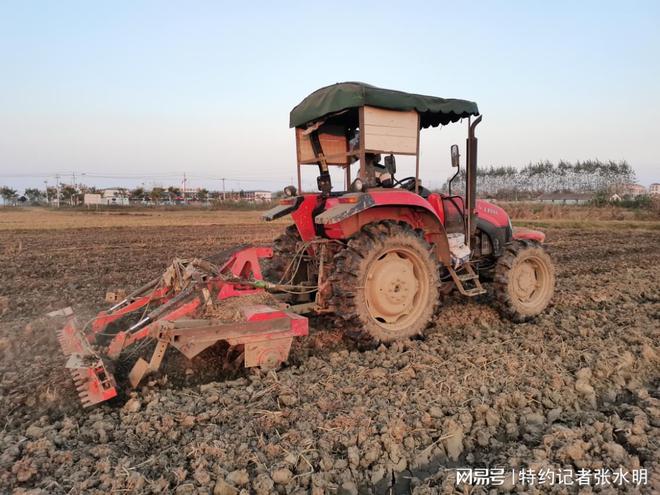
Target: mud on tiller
186	308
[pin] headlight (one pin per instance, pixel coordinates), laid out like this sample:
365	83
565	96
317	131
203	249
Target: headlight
290	191
357	185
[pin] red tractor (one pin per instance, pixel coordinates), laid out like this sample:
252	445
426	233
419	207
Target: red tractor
382	252
379	254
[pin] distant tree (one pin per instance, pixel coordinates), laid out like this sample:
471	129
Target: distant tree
51	194
137	194
68	193
509	183
173	192
202	194
83	189
34	194
8	195
157	194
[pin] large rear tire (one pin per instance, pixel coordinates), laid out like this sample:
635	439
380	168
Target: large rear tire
524	280
385	283
279	268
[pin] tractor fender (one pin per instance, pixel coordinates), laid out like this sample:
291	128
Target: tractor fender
347	214
285	207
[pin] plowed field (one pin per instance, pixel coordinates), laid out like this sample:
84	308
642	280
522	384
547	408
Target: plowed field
576	389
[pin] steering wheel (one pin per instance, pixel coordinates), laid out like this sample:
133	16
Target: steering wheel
406	183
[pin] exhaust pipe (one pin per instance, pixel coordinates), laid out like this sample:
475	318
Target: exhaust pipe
471	183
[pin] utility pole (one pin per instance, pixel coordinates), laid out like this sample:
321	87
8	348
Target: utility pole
57	190
74	199
185	201
224	193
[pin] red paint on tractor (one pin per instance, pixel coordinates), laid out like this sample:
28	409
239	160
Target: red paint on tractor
304	217
529	234
103	319
493	214
245	263
435	200
299	324
402	198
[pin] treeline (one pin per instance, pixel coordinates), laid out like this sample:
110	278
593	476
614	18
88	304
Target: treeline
68	194
591	176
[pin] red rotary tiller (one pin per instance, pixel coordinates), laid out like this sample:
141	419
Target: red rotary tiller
193	305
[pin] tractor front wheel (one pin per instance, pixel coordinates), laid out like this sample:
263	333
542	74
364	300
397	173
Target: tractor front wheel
524	280
385	283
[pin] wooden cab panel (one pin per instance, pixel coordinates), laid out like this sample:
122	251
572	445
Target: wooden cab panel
390	131
333	142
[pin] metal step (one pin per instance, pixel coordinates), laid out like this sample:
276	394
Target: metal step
476	291
471	275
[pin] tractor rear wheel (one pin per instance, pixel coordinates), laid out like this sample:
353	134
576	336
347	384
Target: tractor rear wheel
524	280
279	268
385	283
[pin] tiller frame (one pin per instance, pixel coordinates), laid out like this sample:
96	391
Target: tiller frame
173	308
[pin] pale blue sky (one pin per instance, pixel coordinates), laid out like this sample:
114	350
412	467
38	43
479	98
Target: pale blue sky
130	88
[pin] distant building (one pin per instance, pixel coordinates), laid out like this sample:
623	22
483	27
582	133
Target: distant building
252	196
654	189
190	194
566	198
633	190
92	199
116	197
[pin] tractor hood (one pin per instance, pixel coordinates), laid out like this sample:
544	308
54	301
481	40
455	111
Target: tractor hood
433	111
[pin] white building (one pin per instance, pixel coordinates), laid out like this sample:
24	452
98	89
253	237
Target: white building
116	197
654	189
252	196
633	190
265	196
566	198
92	199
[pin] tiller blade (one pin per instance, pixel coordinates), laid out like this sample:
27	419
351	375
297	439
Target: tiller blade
93	380
184	309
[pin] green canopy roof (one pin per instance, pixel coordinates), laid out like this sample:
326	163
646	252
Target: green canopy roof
433	110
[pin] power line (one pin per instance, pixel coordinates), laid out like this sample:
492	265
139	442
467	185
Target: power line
139	176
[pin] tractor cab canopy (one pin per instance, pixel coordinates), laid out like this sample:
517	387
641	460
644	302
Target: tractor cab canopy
350	121
346	96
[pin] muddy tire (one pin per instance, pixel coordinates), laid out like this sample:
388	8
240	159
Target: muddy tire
524	280
385	283
285	246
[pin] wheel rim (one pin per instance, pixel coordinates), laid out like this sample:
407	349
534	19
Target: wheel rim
396	288
531	283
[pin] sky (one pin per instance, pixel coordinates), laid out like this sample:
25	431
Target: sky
141	92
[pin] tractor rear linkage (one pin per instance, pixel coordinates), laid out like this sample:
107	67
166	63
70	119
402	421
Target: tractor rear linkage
183	299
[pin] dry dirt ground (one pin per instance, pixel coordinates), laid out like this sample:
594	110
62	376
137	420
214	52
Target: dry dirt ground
575	389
